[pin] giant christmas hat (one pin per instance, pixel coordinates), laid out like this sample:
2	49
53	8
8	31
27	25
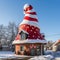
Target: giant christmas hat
30	26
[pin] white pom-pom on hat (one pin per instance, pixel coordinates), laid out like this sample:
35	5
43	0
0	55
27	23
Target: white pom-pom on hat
26	5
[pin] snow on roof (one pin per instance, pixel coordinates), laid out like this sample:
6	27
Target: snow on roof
24	31
29	41
58	41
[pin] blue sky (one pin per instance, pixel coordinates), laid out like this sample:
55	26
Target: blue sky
48	12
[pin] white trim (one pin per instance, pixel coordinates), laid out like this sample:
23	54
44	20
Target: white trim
32	16
29	41
23	31
30	23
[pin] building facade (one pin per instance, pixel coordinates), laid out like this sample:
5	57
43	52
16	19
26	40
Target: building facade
56	46
29	40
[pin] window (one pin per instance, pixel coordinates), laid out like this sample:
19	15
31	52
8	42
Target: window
23	35
33	52
21	48
38	51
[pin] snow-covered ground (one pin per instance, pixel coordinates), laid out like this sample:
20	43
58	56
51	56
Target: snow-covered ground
11	55
55	54
6	54
49	55
45	57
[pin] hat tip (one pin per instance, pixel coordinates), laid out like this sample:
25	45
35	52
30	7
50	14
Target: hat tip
27	5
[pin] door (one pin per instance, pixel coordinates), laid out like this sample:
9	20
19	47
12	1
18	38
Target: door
33	52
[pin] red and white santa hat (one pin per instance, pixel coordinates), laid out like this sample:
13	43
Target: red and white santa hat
30	17
30	23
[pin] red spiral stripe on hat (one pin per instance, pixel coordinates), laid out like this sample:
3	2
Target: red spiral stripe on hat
30	19
29	10
33	13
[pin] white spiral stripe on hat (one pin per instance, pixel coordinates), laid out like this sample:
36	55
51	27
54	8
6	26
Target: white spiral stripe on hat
32	16
30	23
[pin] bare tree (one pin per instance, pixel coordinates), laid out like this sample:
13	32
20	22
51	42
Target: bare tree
8	33
2	32
12	31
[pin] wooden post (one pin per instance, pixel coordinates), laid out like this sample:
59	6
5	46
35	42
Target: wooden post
41	49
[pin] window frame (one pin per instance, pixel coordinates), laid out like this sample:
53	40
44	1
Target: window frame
23	35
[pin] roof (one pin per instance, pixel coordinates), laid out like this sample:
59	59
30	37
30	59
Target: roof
58	41
29	41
